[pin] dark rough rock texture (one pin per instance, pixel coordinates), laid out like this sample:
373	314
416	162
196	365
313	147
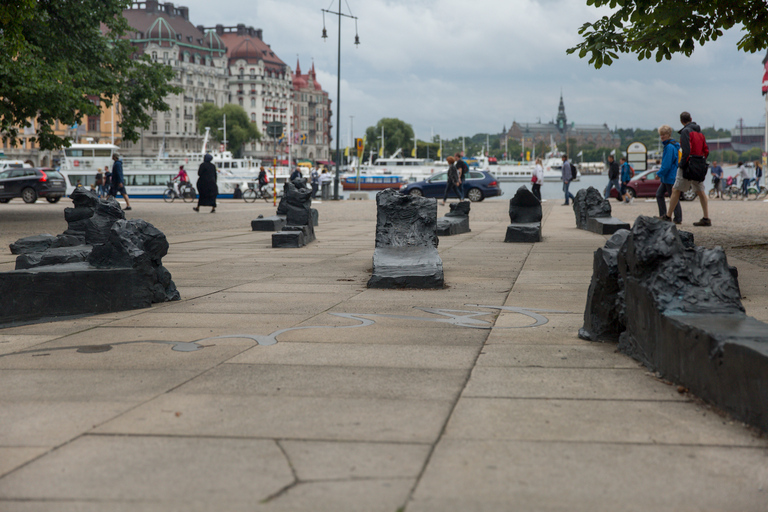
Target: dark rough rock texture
524	208
523	233
403	220
605	225
69	279
678	310
299	219
406	243
604	316
589	202
525	216
687	238
454	222
272	223
54	256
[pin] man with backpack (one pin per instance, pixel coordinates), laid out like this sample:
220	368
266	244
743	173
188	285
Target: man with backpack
626	174
692	168
667	172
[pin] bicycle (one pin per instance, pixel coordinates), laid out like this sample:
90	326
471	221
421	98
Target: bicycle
187	192
252	193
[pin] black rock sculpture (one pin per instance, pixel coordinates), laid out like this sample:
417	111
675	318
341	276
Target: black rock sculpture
406	243
456	221
589	202
593	213
115	265
678	310
296	206
525	218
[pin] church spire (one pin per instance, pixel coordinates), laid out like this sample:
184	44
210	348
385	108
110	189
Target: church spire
562	121
298	68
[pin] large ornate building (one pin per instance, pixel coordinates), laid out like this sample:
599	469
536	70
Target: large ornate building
199	60
258	80
310	117
560	131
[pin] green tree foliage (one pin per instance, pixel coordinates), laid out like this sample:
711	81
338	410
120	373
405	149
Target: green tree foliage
56	65
643	27
397	135
240	130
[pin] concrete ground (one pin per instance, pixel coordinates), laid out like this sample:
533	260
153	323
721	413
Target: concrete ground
370	400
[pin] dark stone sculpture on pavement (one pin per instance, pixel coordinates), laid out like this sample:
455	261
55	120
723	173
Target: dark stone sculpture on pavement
525	218
406	243
677	309
456	221
296	206
279	220
593	213
101	263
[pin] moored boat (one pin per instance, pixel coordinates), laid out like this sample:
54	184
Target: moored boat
372	182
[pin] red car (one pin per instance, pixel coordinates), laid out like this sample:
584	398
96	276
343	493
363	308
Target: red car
645	184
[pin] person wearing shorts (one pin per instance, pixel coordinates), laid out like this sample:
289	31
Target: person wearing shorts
683	185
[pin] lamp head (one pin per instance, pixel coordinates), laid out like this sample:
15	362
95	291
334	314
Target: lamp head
325	34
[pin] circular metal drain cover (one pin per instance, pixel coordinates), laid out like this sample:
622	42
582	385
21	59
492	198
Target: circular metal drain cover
94	349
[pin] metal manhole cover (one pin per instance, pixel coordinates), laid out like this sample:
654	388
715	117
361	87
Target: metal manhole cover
94	349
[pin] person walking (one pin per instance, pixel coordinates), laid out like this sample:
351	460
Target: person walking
314	180
107	182
682	184
626	174
566	177
463	169
613	177
667	172
118	181
98	184
717	179
743	178
758	173
454	180
207	189
537	178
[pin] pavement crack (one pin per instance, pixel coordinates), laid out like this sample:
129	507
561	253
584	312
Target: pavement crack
291	485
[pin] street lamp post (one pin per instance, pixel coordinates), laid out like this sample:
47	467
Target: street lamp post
338	88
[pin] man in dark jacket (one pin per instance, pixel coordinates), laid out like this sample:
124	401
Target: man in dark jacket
683	185
463	169
613	177
118	181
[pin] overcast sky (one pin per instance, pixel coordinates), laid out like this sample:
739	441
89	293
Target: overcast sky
458	68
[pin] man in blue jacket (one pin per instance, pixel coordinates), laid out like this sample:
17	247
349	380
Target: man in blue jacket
668	172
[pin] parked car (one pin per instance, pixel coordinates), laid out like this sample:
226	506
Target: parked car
645	184
30	183
481	184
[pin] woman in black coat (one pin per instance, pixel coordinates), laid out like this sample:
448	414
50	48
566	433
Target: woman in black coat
207	189
454	181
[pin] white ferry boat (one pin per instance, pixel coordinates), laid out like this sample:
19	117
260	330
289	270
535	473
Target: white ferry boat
148	177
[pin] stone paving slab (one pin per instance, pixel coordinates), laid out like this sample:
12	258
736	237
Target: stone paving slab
585	477
331	418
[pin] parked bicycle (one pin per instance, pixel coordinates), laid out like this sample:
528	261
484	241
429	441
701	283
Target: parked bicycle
753	191
186	192
252	192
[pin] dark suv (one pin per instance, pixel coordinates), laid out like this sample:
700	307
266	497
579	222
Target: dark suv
29	183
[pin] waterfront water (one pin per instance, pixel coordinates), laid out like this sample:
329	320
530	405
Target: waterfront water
550	190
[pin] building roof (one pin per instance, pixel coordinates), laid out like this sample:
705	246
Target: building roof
167	25
246	43
303	81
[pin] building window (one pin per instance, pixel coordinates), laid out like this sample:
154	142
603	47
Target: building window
253	118
154	56
253	102
240	101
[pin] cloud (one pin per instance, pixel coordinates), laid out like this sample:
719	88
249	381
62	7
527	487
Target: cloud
459	68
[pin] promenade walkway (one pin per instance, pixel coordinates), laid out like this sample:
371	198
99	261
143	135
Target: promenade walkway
328	396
